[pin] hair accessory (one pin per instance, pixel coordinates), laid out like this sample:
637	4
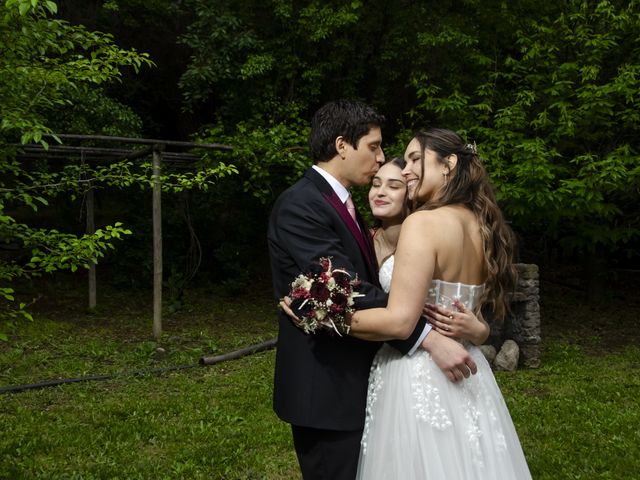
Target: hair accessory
472	147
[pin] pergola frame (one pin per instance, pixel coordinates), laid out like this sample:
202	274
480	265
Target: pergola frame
158	149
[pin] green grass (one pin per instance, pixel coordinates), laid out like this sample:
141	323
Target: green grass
577	415
207	423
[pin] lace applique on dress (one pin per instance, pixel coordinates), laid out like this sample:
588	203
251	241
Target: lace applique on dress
421	425
473	389
472	394
375	384
427	403
475	394
426	396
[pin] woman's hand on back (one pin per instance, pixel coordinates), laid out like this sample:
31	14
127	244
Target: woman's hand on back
459	323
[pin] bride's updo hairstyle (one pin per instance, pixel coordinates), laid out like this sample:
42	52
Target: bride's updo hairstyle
468	184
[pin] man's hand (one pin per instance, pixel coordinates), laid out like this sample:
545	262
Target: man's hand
452	358
284	305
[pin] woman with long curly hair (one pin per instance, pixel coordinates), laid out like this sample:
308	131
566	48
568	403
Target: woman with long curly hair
455	250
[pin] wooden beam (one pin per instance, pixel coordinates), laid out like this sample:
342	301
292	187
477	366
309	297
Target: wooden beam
146	141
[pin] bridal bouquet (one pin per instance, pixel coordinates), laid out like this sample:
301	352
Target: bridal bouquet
322	298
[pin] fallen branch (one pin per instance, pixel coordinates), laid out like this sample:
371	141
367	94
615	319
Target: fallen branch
269	344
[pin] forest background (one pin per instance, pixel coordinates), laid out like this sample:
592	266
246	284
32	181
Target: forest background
547	90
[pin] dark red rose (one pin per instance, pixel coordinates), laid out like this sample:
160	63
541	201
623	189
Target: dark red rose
339	299
342	279
299	293
300	310
319	291
336	309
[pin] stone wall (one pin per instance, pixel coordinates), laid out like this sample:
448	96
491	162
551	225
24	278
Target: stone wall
521	326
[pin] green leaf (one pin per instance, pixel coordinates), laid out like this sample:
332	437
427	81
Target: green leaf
23	8
51	6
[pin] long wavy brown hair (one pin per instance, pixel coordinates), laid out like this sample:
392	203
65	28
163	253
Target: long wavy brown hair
468	185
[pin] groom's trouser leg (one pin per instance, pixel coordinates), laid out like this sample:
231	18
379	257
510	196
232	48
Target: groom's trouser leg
327	454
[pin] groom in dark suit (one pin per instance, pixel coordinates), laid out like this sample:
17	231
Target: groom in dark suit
320	384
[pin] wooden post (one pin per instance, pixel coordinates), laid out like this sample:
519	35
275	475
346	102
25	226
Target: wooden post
91	228
157	243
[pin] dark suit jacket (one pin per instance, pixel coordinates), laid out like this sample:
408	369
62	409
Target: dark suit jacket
321	380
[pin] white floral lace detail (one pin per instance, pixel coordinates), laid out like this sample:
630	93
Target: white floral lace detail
375	384
466	425
426	400
491	408
475	393
427	397
471	394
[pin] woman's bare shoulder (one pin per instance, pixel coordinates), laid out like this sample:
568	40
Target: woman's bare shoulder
449	214
421	218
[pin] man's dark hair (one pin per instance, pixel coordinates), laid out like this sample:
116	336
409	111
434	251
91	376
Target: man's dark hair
346	118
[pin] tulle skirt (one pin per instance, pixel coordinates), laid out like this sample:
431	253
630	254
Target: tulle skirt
420	425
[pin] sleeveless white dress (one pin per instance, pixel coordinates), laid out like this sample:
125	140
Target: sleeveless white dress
420	425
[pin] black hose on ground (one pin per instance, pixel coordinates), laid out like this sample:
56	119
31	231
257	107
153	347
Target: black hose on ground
204	361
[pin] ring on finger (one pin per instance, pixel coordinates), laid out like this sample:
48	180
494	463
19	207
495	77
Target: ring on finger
450	317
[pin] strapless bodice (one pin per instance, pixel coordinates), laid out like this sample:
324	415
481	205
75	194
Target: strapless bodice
441	292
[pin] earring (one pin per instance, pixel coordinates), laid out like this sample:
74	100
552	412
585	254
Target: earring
446	178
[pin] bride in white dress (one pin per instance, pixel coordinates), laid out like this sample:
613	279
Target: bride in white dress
455	252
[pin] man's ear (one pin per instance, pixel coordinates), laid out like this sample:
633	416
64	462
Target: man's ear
341	145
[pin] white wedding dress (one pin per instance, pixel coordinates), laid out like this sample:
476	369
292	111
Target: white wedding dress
420	425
